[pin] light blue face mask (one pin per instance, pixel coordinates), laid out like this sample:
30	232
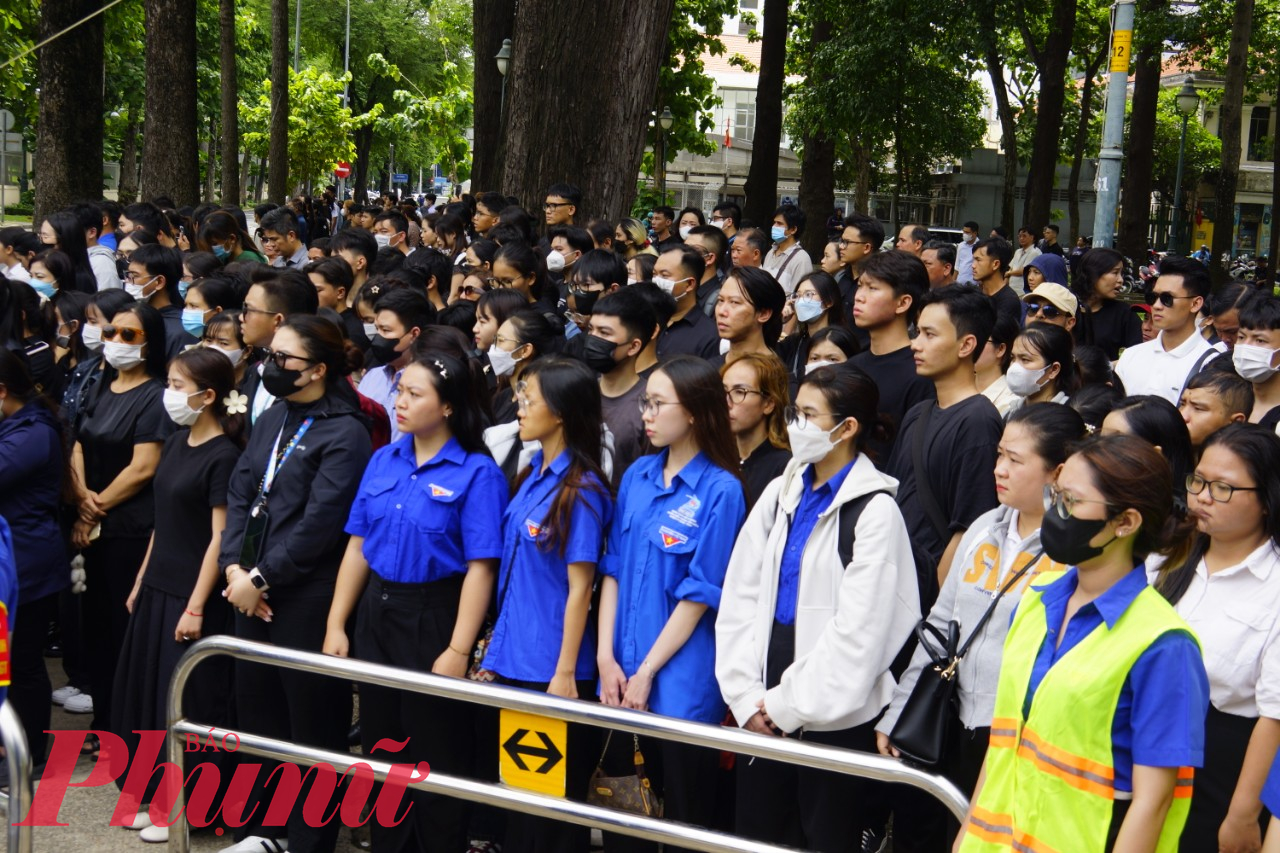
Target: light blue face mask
44	288
193	321
778	233
221	253
183	287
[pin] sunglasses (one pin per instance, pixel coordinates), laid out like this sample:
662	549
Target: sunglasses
1044	309
121	333
1165	299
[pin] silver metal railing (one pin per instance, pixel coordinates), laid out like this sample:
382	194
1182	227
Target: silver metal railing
18	757
787	750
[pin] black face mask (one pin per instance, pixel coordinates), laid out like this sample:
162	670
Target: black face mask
585	300
1066	540
280	381
383	350
598	354
64	341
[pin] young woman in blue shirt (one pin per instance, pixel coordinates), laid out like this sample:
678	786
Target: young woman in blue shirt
552	537
663	571
418	574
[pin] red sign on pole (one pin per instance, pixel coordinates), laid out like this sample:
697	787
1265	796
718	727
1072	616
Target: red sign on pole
342	171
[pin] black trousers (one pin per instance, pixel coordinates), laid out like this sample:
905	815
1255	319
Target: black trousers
686	777
111	566
528	834
409	626
293	706
1226	739
30	689
921	824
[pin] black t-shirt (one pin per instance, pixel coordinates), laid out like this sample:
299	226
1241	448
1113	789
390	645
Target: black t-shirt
1006	302
622	414
1112	327
959	461
112	424
765	464
176	336
1271	419
189	482
900	389
355	329
693	334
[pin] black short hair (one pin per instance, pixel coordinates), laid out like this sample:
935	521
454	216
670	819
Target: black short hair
997	248
1235	392
281	220
868	226
287	292
793	216
492	201
579	239
633	311
945	250
690	260
970	311
757	239
161	260
1054	228
335	271
411	306
665	210
1195	275
568	192
662	303
601	231
765	294
717	238
728	210
905	273
396	218
603	267
89	215
1261	311
972	226
146	215
433	263
358	241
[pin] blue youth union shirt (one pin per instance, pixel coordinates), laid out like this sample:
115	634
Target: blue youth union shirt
533	583
670	544
423	523
8	604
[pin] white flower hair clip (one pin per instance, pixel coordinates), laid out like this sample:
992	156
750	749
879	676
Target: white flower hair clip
444	374
236	403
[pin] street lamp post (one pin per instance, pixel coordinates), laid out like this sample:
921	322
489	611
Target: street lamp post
664	123
503	58
1188	103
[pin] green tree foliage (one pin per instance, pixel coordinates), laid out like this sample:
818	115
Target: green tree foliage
1203	155
683	84
19	22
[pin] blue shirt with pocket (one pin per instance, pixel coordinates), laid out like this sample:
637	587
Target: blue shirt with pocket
1159	720
422	523
670	544
813	502
533	583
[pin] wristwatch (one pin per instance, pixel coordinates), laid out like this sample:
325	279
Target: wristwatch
258	581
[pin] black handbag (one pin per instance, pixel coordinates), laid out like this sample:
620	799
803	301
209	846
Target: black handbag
929	719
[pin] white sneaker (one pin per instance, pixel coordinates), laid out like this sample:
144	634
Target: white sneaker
62	694
155	834
141	820
81	703
258	844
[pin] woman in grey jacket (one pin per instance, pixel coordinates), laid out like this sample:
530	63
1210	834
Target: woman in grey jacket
999	544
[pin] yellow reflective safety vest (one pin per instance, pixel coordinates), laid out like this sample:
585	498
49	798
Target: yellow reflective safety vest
1050	780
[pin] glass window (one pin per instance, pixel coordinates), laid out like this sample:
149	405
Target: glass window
1259	140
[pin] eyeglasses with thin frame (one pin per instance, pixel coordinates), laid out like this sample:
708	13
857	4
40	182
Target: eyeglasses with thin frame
801	419
1220	491
515	344
523	403
130	275
738	394
648	404
123	333
280	357
1044	309
844	244
1064	503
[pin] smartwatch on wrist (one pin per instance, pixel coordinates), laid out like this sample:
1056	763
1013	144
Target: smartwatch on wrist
258	581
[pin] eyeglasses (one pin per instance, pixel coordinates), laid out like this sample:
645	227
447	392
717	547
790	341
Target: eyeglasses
801	419
130	275
123	333
280	357
552	205
1044	309
522	397
501	340
648	404
738	394
1218	490
1064	503
844	244
1166	298
247	309
506	282
471	290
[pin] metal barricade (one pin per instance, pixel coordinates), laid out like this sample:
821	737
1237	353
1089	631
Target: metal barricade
787	750
18	757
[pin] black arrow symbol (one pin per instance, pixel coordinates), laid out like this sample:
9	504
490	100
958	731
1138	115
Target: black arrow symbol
548	751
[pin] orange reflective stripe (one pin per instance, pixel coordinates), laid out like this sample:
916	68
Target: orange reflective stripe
1089	776
1186	782
998	829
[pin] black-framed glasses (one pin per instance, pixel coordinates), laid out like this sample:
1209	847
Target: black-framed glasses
844	244
552	205
648	404
123	333
1166	298
248	309
1218	490
130	275
1044	309
1064	503
801	418
738	393
471	290
280	357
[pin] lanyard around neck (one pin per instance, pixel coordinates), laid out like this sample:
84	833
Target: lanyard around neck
279	457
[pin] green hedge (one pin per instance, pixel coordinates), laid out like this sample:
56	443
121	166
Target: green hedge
18	210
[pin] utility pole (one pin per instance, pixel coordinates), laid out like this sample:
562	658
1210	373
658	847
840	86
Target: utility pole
1107	184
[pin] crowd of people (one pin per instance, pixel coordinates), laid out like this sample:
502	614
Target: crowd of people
692	471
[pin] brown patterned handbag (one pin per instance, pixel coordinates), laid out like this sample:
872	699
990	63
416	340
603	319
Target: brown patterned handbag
632	794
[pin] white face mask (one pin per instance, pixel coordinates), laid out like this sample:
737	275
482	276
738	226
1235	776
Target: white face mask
668	285
138	291
122	356
631	281
971	238
1253	362
814	365
501	361
175	403
370	330
92	337
685	230
236	355
555	261
383	240
811	443
1023	381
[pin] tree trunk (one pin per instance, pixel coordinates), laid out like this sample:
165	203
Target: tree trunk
762	178
68	162
1092	68
127	191
1273	246
600	156
170	148
1134	237
211	160
817	169
1052	66
1230	112
862	178
492	21
262	181
278	147
232	192
1008	131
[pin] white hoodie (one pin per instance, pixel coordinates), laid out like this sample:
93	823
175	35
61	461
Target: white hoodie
851	621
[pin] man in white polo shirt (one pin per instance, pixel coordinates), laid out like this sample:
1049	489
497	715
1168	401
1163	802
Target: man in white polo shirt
1163	365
